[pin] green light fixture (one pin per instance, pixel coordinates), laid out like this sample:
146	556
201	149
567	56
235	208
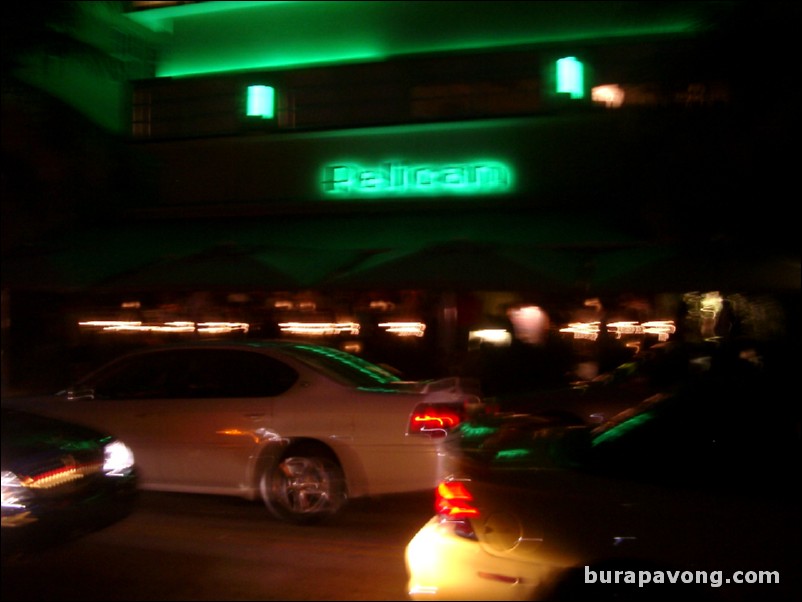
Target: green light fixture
261	102
571	77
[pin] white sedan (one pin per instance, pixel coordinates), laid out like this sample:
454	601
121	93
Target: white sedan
303	427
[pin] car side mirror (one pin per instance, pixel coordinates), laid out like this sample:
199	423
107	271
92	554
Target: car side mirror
78	393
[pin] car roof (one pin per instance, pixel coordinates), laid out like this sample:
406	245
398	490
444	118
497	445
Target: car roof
331	360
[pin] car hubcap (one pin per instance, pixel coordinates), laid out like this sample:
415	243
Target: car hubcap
306	485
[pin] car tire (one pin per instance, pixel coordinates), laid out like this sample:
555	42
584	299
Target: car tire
305	486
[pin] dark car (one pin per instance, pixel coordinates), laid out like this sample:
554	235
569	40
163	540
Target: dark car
693	492
597	400
60	481
588	402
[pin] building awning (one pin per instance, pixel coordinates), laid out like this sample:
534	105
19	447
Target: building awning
277	252
720	267
465	266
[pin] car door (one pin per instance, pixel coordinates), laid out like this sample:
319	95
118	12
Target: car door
127	399
219	417
393	459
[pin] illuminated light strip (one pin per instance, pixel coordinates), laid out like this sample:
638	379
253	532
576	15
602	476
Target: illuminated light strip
662	328
218	327
497	336
110	323
404	329
178	326
320	328
622	328
583	330
166	327
590	330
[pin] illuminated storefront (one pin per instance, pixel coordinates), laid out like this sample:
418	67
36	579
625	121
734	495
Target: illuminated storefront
435	189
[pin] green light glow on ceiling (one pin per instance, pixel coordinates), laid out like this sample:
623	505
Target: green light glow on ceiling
217	37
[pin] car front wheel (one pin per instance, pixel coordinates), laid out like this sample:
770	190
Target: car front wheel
304	487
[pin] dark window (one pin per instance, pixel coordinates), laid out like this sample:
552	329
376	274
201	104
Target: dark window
200	373
138	377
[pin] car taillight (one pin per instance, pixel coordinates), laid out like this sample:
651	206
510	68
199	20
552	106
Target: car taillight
437	419
454	501
454	505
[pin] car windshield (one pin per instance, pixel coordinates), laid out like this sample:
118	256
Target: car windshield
343	366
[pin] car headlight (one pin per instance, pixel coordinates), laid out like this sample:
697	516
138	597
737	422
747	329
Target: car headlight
119	460
14	494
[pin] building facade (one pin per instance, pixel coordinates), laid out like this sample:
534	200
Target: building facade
349	169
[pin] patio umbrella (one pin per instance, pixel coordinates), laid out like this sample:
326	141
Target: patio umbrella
695	268
65	270
79	259
221	268
461	266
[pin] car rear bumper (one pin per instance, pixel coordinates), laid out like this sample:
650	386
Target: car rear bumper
444	566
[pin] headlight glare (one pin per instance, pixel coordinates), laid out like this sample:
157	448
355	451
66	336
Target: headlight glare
119	459
13	492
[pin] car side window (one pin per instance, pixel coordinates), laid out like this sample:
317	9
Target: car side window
257	375
194	373
140	377
211	373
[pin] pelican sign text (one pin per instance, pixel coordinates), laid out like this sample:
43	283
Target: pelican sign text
396	178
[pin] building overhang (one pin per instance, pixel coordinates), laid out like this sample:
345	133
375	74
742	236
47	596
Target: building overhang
214	37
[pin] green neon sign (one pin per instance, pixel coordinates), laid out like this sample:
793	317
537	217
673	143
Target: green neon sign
397	178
